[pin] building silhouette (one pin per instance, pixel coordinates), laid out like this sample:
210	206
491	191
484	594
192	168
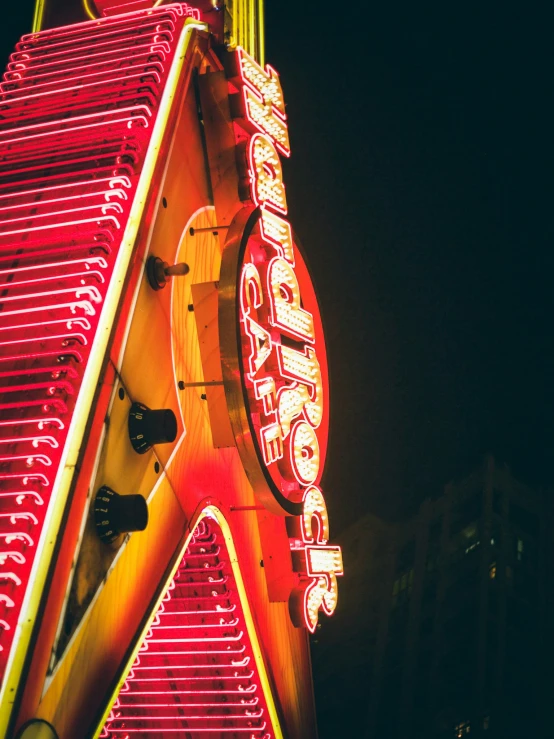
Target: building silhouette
449	634
344	647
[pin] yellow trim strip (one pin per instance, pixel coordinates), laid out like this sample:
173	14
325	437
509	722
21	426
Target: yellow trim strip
261	33
88	10
252	27
64	478
208	512
38	15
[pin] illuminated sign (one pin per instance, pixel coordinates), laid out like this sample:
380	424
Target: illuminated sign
273	346
92	188
317	563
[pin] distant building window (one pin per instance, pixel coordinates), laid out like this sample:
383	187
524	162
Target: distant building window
492	570
460	730
519	549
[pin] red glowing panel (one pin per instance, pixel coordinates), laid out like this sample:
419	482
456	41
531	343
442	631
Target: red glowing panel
316	563
196	674
283	364
78	107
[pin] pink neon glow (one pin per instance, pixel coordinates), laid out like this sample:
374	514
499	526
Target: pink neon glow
11	537
53	372
318	565
21	496
14	518
14	556
194	686
286	403
78	108
42	479
41	422
35	441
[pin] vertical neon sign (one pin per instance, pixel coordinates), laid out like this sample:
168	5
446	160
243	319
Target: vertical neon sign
283	431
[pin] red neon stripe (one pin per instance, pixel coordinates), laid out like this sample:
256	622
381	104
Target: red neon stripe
77	108
216	695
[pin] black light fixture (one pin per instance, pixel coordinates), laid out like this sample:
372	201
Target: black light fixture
148	427
116	514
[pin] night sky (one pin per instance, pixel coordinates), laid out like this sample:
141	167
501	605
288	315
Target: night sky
420	184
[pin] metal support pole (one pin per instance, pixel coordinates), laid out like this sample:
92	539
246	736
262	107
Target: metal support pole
213	229
210	383
246	508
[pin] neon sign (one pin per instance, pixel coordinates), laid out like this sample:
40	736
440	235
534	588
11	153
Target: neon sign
280	409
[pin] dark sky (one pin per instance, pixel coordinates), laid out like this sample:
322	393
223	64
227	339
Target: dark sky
420	184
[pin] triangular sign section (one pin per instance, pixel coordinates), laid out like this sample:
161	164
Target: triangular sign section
199	672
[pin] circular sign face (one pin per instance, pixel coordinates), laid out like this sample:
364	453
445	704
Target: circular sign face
274	360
